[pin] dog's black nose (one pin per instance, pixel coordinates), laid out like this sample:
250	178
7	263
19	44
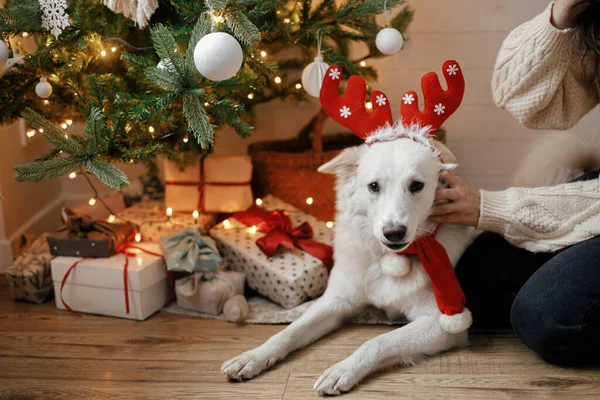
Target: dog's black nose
394	233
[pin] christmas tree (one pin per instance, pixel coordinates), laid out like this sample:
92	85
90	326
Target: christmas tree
131	75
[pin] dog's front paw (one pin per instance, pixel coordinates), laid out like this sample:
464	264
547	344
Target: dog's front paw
246	366
336	380
395	265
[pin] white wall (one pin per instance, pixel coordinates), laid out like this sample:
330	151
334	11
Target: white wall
487	141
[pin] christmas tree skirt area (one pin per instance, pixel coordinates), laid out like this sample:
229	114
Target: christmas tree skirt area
263	311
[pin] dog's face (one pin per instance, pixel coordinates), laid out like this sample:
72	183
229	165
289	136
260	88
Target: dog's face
391	184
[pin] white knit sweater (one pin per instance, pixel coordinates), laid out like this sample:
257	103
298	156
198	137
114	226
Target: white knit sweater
539	79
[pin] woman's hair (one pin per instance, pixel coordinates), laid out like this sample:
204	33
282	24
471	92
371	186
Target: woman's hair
586	24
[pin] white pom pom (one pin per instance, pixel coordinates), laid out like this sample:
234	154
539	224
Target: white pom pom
3	54
389	41
43	89
456	323
218	56
313	74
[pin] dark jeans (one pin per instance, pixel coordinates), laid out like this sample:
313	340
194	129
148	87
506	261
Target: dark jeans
552	300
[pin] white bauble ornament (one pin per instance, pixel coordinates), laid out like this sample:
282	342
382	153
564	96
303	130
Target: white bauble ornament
218	56
3	54
389	41
43	89
313	74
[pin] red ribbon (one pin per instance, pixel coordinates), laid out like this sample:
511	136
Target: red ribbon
123	249
434	258
201	183
279	232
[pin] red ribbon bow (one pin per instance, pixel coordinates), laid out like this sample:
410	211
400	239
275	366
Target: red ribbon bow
279	231
435	261
123	249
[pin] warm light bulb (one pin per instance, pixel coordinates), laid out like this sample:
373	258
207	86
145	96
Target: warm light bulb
64	125
277	79
287	20
298	86
253	229
73	175
250	96
30	133
111	218
369	105
186	139
169	211
69	122
195	214
226	224
206	104
92	201
138	237
259	202
363	63
46	102
103	53
41	130
263	53
25	34
66	136
329	224
151	129
113	49
309	200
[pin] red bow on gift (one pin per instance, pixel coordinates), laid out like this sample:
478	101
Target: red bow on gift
278	231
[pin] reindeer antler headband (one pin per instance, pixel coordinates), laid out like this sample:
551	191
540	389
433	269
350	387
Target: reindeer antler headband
349	109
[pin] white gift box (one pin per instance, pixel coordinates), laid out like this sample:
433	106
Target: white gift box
289	277
96	285
214	183
153	224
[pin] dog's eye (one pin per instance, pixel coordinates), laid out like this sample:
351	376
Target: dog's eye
374	187
416	186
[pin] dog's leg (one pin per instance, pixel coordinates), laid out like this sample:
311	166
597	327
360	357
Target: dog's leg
406	345
321	318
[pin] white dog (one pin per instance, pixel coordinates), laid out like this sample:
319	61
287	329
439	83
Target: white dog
385	191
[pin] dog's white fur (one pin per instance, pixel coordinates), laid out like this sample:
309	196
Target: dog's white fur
368	272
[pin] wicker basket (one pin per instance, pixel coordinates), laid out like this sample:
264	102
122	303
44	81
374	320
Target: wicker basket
288	168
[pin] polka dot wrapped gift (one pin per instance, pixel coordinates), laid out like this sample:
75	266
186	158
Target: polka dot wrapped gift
290	276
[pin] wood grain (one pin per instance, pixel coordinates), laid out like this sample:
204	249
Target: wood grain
50	354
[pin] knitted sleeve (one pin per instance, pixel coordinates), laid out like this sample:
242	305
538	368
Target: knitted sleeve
539	77
543	219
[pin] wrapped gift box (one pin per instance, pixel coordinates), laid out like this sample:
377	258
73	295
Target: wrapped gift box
212	184
153	223
289	277
29	277
101	241
96	285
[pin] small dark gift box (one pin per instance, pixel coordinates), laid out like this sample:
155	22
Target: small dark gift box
83	237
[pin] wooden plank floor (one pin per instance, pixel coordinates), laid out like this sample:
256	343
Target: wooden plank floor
46	353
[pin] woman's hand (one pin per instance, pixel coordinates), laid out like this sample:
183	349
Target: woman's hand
463	207
563	13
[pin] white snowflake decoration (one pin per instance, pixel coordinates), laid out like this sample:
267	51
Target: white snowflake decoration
54	16
452	69
345	111
335	74
439	109
408	98
381	100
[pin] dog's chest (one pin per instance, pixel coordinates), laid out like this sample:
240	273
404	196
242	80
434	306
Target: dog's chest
393	292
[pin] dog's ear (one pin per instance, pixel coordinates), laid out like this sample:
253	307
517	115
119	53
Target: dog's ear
343	164
449	166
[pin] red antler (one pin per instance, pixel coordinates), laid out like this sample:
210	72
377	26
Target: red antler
439	103
349	109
